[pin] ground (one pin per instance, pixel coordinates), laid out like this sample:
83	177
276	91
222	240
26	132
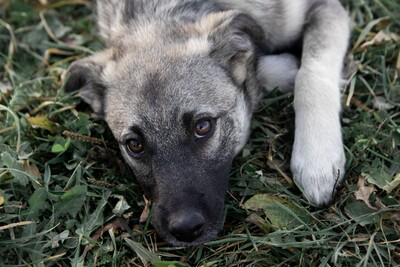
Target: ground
67	199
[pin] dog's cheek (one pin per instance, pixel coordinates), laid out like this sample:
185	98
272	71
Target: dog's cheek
237	125
141	173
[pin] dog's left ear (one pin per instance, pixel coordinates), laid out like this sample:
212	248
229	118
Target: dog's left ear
236	39
85	75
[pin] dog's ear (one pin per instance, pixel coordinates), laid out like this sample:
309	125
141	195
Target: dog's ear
85	75
236	38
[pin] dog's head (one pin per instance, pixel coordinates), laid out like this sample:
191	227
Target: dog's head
179	104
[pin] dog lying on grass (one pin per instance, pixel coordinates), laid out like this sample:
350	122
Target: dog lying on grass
180	79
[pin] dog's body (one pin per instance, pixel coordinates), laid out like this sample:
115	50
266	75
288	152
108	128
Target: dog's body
178	84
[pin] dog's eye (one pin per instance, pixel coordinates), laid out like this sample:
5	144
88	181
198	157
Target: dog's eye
203	128
135	147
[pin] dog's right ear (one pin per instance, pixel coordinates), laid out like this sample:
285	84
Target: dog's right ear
85	75
236	38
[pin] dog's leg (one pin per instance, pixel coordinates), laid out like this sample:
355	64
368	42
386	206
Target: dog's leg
278	71
318	158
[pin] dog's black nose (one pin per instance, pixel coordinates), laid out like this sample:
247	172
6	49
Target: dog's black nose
187	227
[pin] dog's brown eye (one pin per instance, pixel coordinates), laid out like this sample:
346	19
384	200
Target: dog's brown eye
203	128
135	147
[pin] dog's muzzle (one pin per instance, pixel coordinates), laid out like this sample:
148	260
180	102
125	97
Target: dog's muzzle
189	221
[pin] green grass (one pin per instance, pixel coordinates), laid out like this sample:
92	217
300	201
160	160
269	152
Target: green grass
63	196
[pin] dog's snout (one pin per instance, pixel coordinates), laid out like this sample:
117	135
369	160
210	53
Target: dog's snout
187	227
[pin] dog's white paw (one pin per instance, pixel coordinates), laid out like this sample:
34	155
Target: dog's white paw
318	162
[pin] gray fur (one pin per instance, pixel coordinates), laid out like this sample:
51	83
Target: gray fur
170	65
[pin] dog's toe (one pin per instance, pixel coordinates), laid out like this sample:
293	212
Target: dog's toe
318	175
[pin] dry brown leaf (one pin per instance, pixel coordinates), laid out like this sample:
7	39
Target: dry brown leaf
146	210
30	169
364	192
379	38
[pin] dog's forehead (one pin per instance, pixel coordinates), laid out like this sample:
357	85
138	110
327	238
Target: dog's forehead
163	90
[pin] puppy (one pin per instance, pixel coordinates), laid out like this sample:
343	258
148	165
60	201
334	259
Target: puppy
179	81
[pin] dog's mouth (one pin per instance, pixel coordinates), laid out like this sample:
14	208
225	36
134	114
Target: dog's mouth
190	238
173	241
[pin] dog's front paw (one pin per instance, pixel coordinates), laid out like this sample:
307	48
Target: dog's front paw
318	165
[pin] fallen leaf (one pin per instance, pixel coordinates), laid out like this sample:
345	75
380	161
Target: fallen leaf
364	192
30	169
367	30
378	39
42	122
393	184
282	213
146	210
378	177
121	206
